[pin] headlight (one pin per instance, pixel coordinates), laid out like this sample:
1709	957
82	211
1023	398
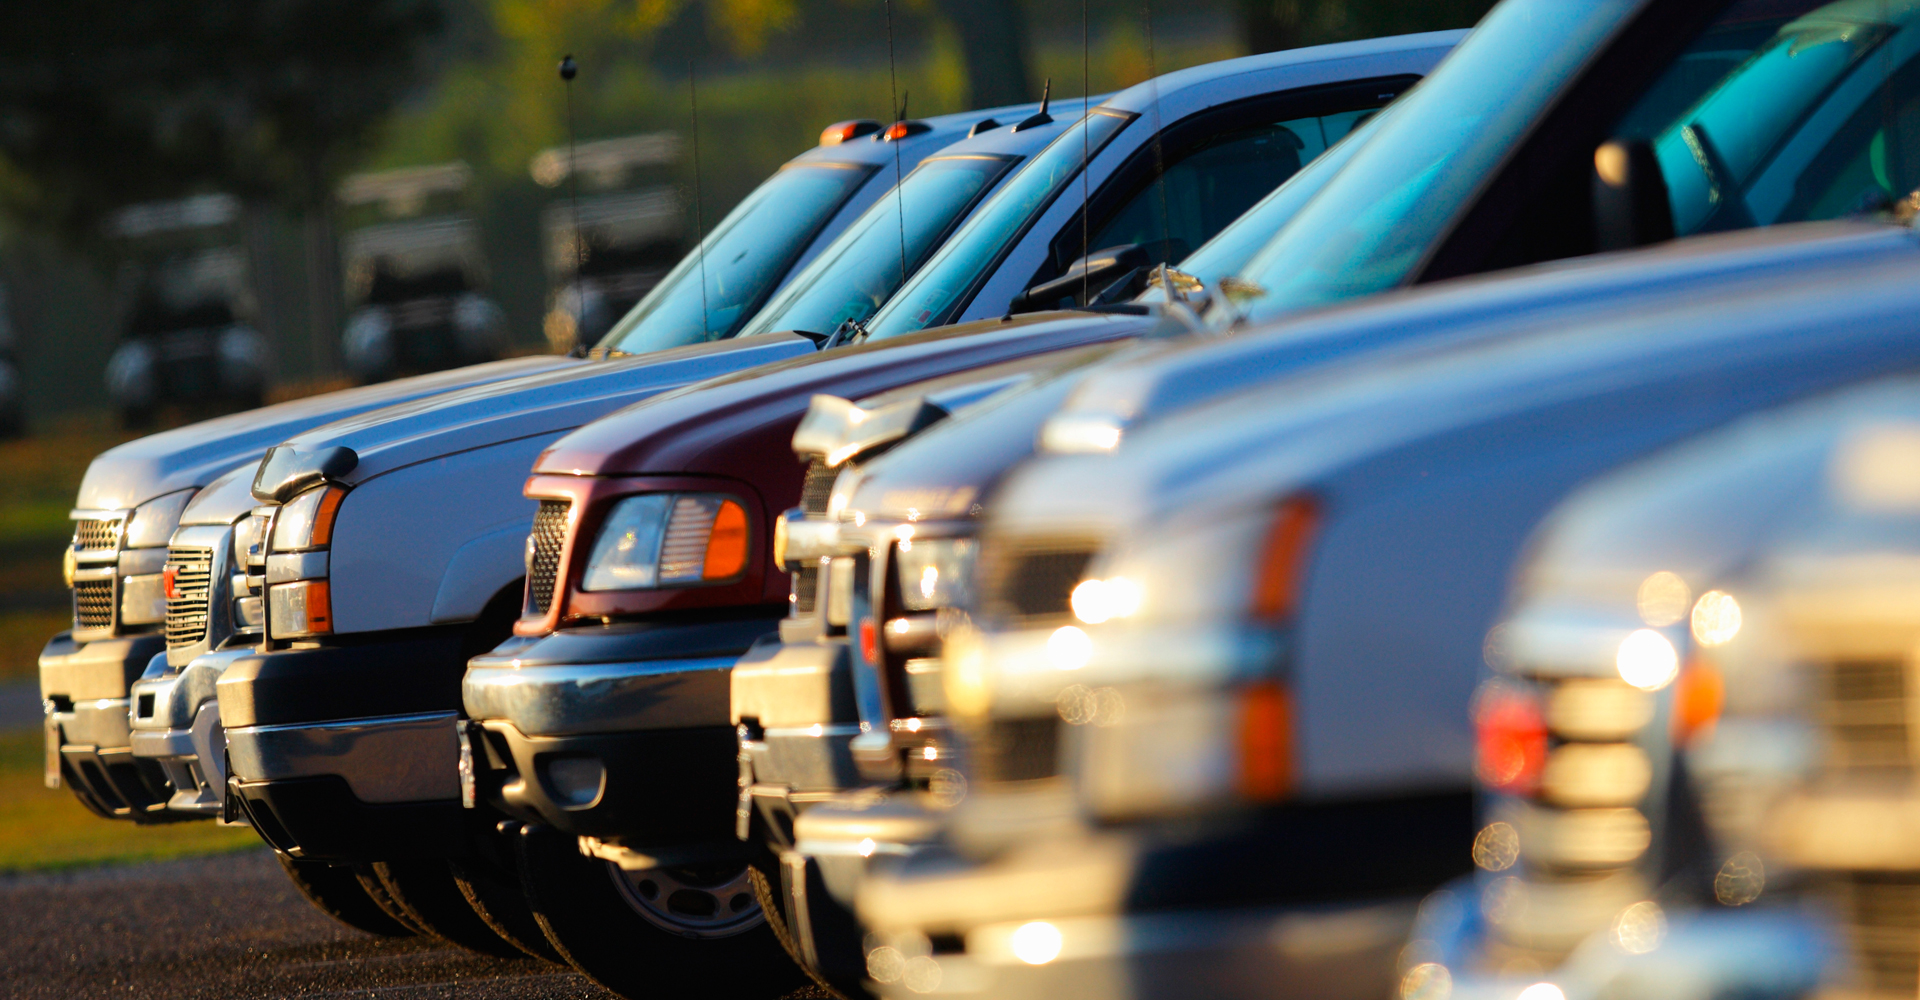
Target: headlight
153	522
1146	750
668	539
299	596
934	572
306	521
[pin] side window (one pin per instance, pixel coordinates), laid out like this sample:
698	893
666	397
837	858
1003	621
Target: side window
1817	121
1206	184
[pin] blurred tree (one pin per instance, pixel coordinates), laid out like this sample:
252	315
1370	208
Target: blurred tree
994	43
1270	25
104	102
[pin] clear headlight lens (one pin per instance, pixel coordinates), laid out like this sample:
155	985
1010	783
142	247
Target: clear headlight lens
935	572
301	608
153	522
306	521
143	599
1141	751
668	539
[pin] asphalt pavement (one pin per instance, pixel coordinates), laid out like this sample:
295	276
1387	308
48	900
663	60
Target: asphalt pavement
229	926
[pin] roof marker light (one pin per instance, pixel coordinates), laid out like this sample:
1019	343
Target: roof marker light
839	132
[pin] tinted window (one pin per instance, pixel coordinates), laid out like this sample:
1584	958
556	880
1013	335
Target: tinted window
1230	248
867	263
710	293
942	288
1216	183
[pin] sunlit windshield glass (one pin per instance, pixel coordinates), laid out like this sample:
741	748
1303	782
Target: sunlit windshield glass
943	287
868	262
712	291
1231	247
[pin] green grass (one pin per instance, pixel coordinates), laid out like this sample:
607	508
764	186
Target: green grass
45	828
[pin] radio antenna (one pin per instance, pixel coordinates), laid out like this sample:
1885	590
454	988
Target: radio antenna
699	230
899	105
1086	145
568	70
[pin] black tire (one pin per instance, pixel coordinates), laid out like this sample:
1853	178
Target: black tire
772	906
497	898
336	892
376	891
425	891
592	924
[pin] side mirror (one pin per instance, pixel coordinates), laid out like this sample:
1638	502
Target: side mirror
1101	276
1630	203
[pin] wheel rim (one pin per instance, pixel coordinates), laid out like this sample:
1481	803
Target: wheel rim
705	902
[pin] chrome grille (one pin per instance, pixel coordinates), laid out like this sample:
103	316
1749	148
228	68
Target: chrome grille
1882	915
92	604
1864	715
1031	584
192	571
549	537
818	488
97	534
806	585
1019	750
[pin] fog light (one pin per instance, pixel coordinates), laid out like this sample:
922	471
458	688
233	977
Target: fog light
576	782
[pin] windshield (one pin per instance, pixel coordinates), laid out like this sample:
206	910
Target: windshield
1231	247
868	262
1376	219
943	287
712	291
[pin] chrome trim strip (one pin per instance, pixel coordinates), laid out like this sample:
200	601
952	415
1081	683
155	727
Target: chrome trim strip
573	699
286	567
814	731
395	758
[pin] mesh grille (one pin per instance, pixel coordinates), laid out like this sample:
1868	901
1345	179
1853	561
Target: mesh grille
683	549
1019	750
97	534
818	487
549	537
1864	715
806	585
93	604
192	570
1882	913
1031	584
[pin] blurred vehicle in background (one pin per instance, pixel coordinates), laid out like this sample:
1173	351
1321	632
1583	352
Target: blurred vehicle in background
185	309
1259	622
1715	640
13	403
629	230
133	494
416	275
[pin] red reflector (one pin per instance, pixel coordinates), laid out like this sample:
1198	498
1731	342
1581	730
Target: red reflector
869	640
1510	734
169	584
900	130
839	132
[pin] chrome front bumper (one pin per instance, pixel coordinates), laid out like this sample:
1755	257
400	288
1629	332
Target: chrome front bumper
1308	952
176	724
384	760
577	699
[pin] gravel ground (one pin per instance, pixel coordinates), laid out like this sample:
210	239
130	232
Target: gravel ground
228	926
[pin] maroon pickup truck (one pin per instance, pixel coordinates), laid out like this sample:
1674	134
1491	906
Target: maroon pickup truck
604	724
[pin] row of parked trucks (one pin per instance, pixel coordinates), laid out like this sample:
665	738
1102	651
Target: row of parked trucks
1424	517
415	275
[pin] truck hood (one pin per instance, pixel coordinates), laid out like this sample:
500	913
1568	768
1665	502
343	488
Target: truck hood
950	469
1431	473
544	404
133	473
1189	371
745	421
